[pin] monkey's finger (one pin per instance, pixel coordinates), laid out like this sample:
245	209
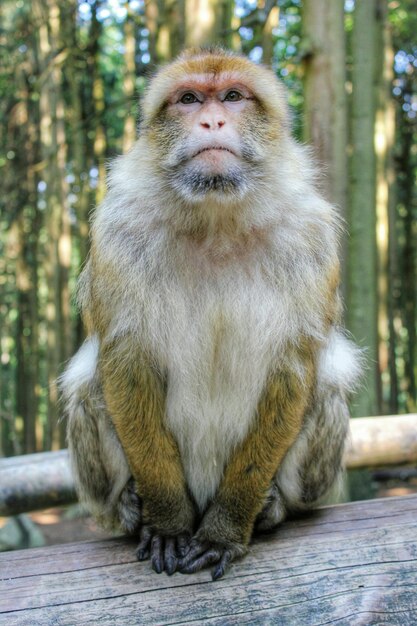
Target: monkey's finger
196	548
212	555
183	544
143	549
170	556
157	554
222	567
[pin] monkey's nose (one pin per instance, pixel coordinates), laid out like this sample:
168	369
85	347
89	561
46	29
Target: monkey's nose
212	124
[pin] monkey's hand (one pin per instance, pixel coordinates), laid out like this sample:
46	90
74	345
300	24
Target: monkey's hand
167	529
218	541
164	551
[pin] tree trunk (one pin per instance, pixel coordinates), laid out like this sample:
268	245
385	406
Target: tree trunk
325	101
208	22
100	141
362	277
409	263
129	130
165	21
384	141
271	21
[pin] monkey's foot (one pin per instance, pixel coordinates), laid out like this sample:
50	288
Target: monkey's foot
201	554
164	552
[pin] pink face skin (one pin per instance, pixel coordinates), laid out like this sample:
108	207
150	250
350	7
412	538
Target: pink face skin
211	112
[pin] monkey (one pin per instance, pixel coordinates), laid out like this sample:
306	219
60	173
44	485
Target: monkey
210	397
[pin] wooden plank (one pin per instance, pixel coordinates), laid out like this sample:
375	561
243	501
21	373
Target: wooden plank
350	564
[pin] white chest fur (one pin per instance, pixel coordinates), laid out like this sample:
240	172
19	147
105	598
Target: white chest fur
216	342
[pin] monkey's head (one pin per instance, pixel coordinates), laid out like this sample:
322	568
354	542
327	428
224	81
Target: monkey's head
212	120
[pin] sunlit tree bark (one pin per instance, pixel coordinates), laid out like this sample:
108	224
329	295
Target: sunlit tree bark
325	108
129	77
208	22
383	144
165	20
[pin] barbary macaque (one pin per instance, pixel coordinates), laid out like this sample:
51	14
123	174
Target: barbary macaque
210	396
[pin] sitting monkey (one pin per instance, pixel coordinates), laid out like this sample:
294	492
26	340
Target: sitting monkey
210	396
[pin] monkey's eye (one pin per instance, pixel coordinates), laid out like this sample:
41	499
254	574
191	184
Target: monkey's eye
233	96
188	98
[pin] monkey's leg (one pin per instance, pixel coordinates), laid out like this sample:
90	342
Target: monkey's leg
313	465
135	396
312	468
101	473
227	526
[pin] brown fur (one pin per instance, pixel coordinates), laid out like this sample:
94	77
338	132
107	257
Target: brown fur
135	398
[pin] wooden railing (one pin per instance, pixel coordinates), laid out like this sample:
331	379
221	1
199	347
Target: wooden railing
382	441
36	481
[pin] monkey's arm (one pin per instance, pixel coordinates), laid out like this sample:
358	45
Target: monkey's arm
135	396
227	527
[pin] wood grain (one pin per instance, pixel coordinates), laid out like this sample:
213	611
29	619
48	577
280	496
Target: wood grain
353	564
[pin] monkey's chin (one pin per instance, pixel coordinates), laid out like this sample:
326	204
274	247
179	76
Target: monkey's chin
194	184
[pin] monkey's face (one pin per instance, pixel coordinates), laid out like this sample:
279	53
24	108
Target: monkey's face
213	124
212	137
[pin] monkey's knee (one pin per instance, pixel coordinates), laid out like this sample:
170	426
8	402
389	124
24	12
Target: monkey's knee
129	509
312	468
85	454
101	473
274	511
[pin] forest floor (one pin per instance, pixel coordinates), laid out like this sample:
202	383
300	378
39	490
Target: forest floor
69	524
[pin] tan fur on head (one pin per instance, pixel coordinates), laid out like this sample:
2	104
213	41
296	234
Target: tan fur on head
214	62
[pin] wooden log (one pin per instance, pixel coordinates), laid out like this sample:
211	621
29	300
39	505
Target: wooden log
353	564
381	441
36	481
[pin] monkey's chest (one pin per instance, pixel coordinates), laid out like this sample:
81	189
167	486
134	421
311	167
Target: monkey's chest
217	355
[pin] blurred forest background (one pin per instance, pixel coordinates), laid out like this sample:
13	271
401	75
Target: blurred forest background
71	76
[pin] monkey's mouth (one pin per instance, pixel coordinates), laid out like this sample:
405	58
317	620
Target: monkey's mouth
216	148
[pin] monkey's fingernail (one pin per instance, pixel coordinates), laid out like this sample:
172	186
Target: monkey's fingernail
142	555
221	567
217	573
171	566
157	565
